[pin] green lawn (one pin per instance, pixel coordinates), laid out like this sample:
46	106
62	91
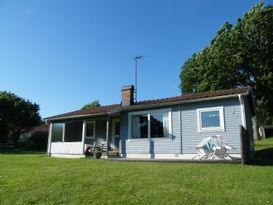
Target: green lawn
264	143
38	179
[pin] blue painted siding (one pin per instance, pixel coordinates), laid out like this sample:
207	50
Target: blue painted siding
131	146
138	146
123	132
185	135
170	145
232	118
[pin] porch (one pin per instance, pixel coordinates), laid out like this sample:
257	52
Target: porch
71	138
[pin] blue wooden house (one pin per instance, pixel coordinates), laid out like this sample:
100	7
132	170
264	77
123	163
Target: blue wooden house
168	128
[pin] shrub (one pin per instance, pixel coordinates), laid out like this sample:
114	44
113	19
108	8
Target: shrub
97	153
37	141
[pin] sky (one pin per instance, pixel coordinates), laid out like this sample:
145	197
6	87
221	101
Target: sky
62	54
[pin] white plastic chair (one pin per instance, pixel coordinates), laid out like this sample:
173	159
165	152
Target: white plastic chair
212	148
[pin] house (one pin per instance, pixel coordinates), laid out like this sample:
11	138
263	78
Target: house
168	128
35	137
27	133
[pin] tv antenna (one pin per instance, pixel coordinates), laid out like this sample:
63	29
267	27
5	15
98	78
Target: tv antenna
136	58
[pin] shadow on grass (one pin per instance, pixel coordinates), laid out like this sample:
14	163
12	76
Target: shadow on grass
21	152
263	157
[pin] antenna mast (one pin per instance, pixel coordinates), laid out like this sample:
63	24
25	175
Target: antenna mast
136	58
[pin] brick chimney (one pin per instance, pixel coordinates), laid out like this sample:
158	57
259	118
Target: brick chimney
127	95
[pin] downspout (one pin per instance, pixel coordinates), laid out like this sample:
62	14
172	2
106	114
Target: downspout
243	115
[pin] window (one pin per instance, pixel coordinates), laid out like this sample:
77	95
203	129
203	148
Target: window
57	132
90	130
210	119
154	124
159	125
117	128
139	126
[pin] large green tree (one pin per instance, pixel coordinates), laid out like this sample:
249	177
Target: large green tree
16	114
239	55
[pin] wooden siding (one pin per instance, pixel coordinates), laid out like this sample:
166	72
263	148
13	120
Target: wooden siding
168	145
232	119
123	132
137	146
185	135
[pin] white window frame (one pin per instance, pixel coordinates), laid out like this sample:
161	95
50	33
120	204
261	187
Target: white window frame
148	113
94	130
209	129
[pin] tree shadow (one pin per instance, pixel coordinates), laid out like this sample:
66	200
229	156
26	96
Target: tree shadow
21	152
263	157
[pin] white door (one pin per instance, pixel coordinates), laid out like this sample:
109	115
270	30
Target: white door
115	133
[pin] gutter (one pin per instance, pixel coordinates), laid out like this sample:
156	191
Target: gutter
135	107
75	116
111	112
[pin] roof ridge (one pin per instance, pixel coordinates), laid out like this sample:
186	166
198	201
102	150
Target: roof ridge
194	94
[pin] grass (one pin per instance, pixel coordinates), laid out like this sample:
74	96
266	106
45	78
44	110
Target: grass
264	151
37	179
264	144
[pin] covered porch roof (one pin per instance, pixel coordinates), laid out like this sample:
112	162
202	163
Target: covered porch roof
101	111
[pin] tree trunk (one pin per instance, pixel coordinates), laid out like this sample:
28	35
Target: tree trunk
255	127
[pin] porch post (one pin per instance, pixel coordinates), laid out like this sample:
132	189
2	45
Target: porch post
149	138
63	138
83	134
49	139
107	136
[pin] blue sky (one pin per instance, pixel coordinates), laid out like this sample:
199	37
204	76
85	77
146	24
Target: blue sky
63	54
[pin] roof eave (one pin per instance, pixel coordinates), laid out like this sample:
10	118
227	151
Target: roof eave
111	112
145	106
135	107
75	116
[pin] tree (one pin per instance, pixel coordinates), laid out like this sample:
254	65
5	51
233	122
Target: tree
239	55
16	114
94	103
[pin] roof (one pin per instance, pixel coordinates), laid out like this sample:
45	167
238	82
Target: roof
195	96
40	128
101	110
106	110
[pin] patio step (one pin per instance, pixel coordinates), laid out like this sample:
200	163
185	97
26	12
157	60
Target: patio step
113	153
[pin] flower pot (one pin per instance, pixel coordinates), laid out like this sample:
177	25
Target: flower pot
97	154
